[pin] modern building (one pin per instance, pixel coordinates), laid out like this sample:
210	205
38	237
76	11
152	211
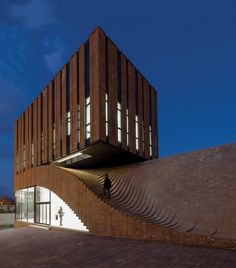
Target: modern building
98	116
97	111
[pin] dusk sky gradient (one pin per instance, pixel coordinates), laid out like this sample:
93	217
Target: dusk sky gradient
186	49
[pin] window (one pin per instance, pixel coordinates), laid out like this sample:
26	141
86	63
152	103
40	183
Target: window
32	154
68	124
24	157
87	119
106	108
119	131
78	124
127	124
87	94
150	140
68	131
136	133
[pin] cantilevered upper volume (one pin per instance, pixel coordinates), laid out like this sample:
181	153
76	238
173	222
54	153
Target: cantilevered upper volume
97	110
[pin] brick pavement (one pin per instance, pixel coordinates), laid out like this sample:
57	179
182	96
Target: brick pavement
32	247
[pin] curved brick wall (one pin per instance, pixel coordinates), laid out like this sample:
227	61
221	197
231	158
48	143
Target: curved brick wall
194	192
130	212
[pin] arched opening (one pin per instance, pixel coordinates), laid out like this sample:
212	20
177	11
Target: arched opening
42	206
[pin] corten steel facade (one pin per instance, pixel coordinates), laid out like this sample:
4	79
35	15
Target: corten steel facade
98	98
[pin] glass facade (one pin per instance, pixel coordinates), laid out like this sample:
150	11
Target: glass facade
42	206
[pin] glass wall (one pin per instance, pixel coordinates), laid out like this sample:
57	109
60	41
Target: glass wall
25	204
42	206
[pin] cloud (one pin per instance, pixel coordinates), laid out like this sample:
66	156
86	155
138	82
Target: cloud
33	14
53	61
54	53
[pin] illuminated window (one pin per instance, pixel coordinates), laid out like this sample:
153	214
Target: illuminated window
136	133
68	123
119	122
127	124
106	108
32	154
78	124
150	140
87	118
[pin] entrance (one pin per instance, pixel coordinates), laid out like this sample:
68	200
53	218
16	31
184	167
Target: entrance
43	213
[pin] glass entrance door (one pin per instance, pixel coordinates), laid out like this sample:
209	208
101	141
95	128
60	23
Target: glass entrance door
43	213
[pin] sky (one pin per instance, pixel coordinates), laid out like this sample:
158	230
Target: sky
186	49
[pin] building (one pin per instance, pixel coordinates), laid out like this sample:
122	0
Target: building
99	116
97	111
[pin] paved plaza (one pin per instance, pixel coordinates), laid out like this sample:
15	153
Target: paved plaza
31	247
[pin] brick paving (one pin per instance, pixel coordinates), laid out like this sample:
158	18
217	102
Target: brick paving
32	248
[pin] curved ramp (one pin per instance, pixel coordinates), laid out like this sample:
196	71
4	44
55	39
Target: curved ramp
193	193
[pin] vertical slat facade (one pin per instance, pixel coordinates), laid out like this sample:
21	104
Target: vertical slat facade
64	110
50	121
82	94
112	93
131	89
73	101
58	114
123	102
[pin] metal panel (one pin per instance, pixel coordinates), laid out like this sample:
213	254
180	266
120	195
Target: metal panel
123	101
26	131
140	114
97	85
73	101
15	146
30	133
50	121
82	94
35	123
45	125
64	110
58	114
146	119
39	136
112	93
153	122
131	89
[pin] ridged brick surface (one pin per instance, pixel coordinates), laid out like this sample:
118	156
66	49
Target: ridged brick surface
178	199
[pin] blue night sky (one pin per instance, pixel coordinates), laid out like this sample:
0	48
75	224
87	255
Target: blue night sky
185	48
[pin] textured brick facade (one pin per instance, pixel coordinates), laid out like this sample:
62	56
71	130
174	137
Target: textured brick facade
108	68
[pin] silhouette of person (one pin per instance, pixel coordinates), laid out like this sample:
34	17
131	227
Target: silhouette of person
61	214
107	186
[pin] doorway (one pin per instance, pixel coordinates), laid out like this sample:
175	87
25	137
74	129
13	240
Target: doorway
43	213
